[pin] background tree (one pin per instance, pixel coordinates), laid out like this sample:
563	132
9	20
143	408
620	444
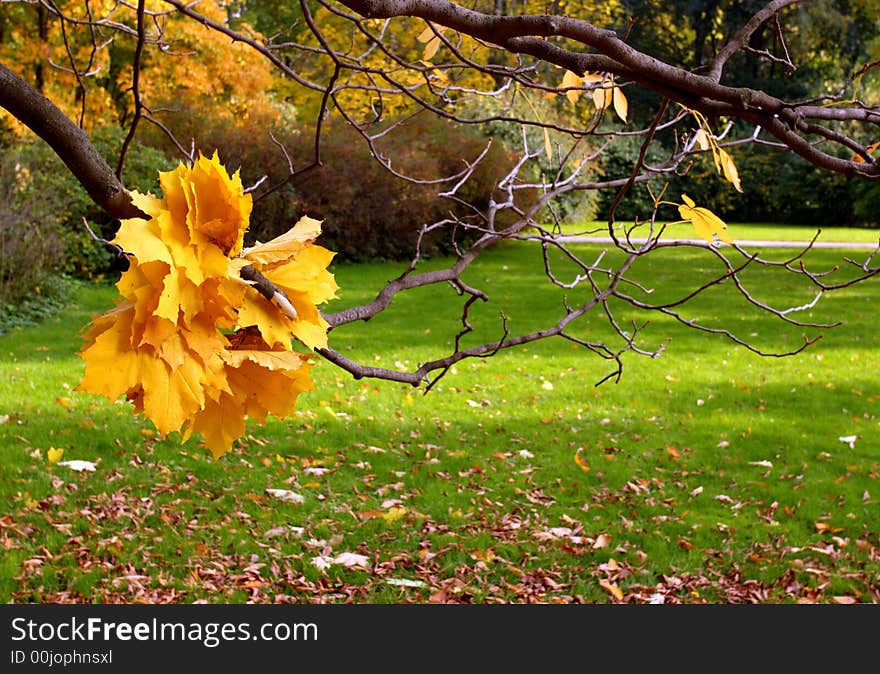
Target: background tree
533	107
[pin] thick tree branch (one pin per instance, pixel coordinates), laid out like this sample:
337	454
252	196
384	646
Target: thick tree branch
528	33
741	38
69	142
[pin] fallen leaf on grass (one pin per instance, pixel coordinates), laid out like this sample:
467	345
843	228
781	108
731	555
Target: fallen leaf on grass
611	588
346	559
78	465
405	582
53	454
602	541
286	495
349	559
845	600
763	464
393	514
316	470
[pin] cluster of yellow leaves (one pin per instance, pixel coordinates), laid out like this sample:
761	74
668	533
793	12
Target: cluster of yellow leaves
431	40
412	59
190	343
723	161
605	92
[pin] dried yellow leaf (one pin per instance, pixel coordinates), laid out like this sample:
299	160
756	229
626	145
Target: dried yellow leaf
701	139
705	222
426	35
728	168
602	97
570	80
282	248
431	48
621	106
611	588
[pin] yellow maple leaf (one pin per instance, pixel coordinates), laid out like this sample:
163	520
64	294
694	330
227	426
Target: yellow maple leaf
220	422
705	222
392	515
53	454
163	346
282	248
298	268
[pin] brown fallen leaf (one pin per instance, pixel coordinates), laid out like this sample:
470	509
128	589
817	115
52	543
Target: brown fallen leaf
611	588
602	541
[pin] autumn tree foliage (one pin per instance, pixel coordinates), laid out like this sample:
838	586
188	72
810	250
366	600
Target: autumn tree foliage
208	319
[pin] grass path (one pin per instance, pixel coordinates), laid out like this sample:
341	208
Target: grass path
750	234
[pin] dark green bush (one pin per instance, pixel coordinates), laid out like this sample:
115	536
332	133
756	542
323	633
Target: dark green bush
56	203
783	188
31	242
865	203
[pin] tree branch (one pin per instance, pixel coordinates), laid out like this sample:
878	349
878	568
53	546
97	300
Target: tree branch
69	142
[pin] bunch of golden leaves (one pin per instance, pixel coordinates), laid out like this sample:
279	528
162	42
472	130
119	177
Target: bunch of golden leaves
190	343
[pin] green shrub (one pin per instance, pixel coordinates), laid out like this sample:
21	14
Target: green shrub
57	203
865	202
31	242
783	188
46	300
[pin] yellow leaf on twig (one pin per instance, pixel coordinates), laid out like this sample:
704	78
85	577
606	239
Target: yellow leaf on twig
570	80
705	222
621	107
602	97
725	163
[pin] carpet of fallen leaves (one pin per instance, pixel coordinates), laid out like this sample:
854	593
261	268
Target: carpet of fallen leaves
99	538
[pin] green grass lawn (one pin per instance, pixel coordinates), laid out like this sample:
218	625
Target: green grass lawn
707	475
